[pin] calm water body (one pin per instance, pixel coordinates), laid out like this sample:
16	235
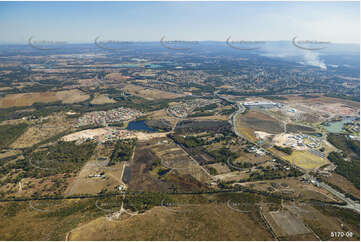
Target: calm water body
337	126
140	126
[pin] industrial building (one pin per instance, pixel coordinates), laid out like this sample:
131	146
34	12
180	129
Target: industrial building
257	104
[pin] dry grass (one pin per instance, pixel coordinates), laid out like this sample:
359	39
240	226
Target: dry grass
102	99
205	222
39	132
150	94
28	99
344	184
305	159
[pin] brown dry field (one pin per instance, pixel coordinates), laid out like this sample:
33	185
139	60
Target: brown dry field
150	94
283	223
172	156
261	122
251	158
325	105
39	132
220	167
162	114
116	77
321	99
319	223
299	189
24	223
344	184
102	99
322	223
83	184
206	222
253	121
8	153
43	186
27	99
232	176
214	117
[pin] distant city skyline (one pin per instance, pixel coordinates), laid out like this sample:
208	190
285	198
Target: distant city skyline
82	22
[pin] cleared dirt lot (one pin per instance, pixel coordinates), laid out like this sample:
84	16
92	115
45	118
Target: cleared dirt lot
100	133
283	223
324	105
261	122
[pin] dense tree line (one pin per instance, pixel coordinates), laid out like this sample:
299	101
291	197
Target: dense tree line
286	150
349	169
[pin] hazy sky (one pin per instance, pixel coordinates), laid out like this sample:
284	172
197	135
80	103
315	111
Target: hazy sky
149	21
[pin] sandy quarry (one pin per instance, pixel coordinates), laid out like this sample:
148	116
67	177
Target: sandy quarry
102	133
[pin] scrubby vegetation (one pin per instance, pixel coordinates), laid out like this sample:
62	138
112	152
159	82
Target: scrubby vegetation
9	133
341	142
63	157
123	151
349	169
144	201
223	154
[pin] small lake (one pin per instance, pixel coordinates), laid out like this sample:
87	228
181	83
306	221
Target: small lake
127	65
337	126
153	66
140	126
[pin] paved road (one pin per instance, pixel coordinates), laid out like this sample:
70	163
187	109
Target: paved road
350	203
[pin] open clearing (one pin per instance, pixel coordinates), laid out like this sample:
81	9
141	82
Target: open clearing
101	133
86	181
261	122
324	106
305	159
102	99
28	99
54	125
284	223
150	94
